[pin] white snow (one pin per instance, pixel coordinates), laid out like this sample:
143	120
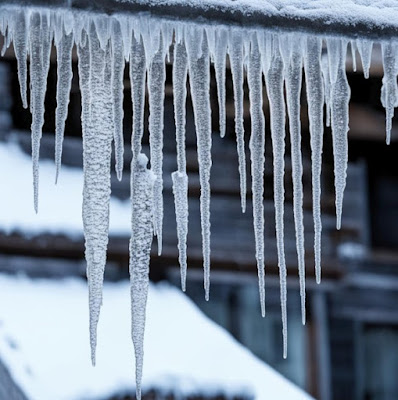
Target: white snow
61	204
43	342
372	12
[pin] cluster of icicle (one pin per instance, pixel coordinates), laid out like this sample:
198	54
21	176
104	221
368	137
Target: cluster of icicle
104	44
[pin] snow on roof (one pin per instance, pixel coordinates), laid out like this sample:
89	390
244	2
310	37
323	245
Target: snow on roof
372	12
44	343
60	206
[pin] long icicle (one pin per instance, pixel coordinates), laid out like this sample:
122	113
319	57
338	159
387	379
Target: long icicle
293	63
274	81
389	90
117	91
257	148
142	181
156	80
40	46
236	58
64	82
199	79
141	184
180	177
315	100
97	149
340	98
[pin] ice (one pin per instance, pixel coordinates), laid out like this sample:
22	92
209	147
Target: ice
40	47
199	79
292	55
353	45
118	64
180	178
340	97
64	81
257	148
315	96
365	52
142	181
236	58
137	80
389	90
156	79
21	49
274	82
97	141
220	66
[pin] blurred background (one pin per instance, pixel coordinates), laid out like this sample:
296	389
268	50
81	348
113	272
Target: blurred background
347	350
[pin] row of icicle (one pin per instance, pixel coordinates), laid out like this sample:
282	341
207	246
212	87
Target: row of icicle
104	44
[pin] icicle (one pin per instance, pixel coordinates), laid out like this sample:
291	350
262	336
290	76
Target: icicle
21	48
220	66
327	86
156	80
236	58
64	81
340	98
117	90
97	149
199	73
389	90
142	181
291	50
314	89
274	81
365	51
137	80
180	178
257	147
40	47
353	44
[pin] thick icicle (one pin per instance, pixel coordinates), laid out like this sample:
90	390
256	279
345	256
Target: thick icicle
220	66
274	81
315	99
236	58
293	64
40	46
64	82
389	90
97	149
156	80
117	91
365	52
20	40
142	181
340	98
180	177
199	79
257	147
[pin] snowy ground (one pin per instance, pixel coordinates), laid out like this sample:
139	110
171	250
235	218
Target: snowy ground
44	343
60	206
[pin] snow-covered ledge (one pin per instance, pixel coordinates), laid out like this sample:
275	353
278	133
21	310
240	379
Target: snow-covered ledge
353	18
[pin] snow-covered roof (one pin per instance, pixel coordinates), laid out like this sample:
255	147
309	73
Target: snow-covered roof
383	12
60	206
44	344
